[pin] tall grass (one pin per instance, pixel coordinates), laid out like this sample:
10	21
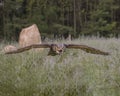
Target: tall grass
74	73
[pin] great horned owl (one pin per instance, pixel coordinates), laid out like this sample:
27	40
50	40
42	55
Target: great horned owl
56	49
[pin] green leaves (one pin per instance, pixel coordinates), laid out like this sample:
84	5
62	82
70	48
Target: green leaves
87	17
62	29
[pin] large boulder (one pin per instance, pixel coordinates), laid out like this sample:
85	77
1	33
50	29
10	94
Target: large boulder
29	36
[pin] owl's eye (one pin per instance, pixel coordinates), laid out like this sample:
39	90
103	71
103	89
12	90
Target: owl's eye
54	48
60	50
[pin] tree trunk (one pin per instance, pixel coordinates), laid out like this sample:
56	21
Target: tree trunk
74	6
1	19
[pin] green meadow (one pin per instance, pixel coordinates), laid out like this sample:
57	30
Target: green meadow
74	73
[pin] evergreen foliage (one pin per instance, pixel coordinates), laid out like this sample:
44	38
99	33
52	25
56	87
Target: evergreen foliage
71	17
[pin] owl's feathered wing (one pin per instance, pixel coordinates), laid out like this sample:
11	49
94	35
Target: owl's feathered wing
87	49
82	47
19	50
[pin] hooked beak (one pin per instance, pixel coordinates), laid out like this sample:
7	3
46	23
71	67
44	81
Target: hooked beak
59	52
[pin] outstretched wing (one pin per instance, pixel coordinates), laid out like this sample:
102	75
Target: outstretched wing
87	49
28	48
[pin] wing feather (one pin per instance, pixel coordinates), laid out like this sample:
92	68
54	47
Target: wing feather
87	49
19	50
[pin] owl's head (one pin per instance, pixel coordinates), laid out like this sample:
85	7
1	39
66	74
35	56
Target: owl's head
56	49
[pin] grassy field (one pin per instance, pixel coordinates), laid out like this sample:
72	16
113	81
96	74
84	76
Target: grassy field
74	73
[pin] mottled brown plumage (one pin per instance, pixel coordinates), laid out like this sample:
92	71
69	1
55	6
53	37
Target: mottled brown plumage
56	49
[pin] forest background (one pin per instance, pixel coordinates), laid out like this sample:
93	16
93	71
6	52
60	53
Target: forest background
60	18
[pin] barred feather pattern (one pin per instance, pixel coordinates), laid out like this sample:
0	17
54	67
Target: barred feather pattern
56	49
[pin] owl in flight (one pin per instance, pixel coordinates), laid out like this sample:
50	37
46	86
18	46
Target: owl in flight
57	49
